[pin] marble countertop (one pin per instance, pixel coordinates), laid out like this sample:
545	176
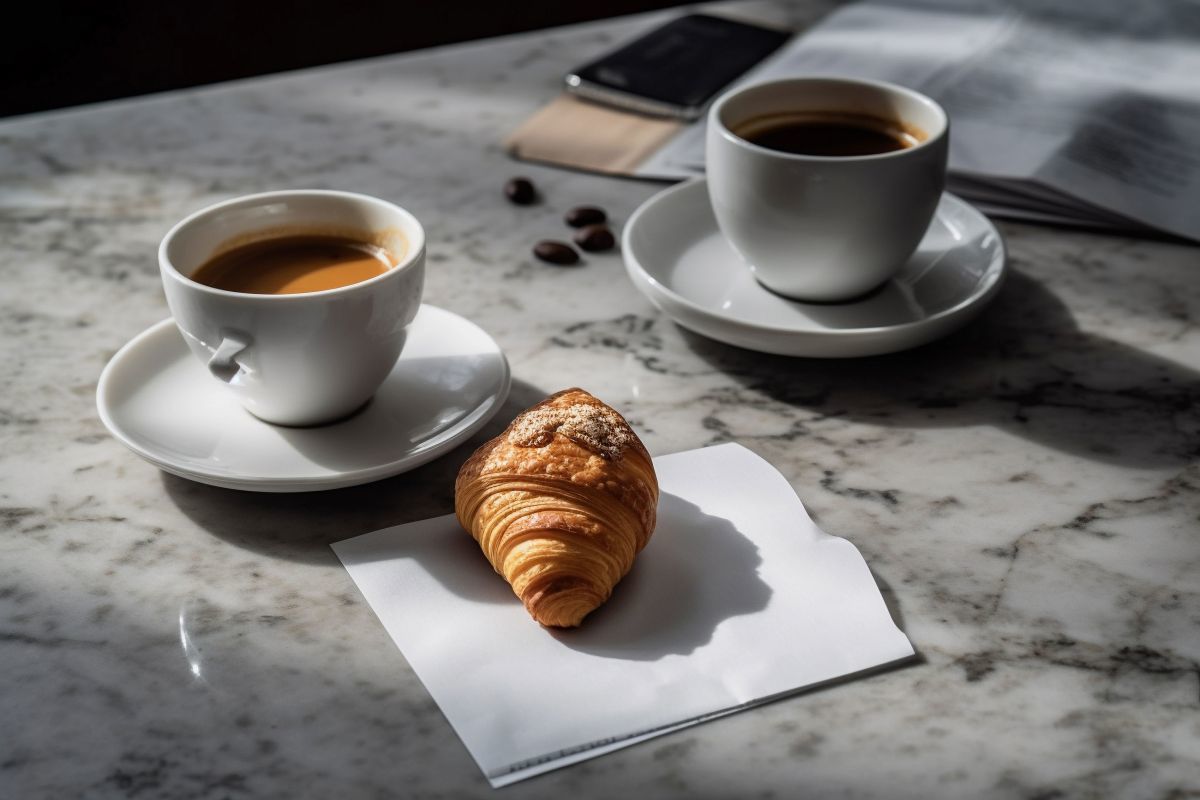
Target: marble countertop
1026	491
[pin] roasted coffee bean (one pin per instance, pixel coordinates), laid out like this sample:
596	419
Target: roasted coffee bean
555	252
595	238
520	191
585	215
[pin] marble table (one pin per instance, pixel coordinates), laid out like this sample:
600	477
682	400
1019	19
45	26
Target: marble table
1026	491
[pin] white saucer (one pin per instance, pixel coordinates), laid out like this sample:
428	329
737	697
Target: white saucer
159	401
677	258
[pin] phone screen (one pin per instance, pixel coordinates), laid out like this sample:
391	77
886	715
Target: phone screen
683	63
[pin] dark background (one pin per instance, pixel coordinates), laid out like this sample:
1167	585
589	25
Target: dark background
57	54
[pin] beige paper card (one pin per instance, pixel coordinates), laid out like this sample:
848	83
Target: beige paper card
570	132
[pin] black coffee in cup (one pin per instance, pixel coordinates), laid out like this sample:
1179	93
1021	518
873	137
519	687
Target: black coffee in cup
828	134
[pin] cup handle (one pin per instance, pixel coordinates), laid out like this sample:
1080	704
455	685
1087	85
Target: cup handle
223	364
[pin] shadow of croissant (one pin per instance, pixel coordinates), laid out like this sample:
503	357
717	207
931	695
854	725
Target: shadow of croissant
696	572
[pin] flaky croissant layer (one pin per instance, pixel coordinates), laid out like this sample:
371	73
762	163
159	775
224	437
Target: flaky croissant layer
560	504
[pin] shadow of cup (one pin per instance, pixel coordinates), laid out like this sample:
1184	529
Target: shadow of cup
301	526
1024	366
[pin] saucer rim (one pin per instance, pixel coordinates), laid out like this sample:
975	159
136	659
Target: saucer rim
980	296
463	430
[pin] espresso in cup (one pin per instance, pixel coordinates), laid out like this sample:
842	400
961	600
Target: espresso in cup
299	301
825	186
294	265
829	134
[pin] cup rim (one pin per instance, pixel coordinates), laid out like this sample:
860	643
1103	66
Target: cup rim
415	252
714	119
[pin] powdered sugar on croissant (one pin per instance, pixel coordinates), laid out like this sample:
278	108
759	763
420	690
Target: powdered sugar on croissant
560	504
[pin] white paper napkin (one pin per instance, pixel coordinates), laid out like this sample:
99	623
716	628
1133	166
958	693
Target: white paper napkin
737	600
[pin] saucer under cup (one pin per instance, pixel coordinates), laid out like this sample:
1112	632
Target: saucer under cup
676	256
161	403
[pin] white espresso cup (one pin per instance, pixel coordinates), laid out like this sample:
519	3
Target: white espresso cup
825	228
297	359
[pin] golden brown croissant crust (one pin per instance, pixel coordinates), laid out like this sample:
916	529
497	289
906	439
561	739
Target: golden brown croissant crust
560	503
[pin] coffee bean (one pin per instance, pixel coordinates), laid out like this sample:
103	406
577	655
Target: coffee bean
520	191
595	238
555	252
585	215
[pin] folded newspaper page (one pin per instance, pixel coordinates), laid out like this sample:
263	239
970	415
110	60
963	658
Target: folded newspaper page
1081	113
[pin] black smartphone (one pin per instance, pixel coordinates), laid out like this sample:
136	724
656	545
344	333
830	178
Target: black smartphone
674	70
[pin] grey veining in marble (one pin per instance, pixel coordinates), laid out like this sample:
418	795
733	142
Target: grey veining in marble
1027	491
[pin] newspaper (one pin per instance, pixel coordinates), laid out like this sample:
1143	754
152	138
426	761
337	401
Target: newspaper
1066	112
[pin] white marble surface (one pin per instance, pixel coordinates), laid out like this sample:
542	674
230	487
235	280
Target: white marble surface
1026	492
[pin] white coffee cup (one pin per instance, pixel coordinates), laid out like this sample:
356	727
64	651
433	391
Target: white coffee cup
825	228
297	359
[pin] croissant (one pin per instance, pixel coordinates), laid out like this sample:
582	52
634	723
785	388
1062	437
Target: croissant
560	504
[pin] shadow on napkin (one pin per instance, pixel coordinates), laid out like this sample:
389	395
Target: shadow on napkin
697	572
668	603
